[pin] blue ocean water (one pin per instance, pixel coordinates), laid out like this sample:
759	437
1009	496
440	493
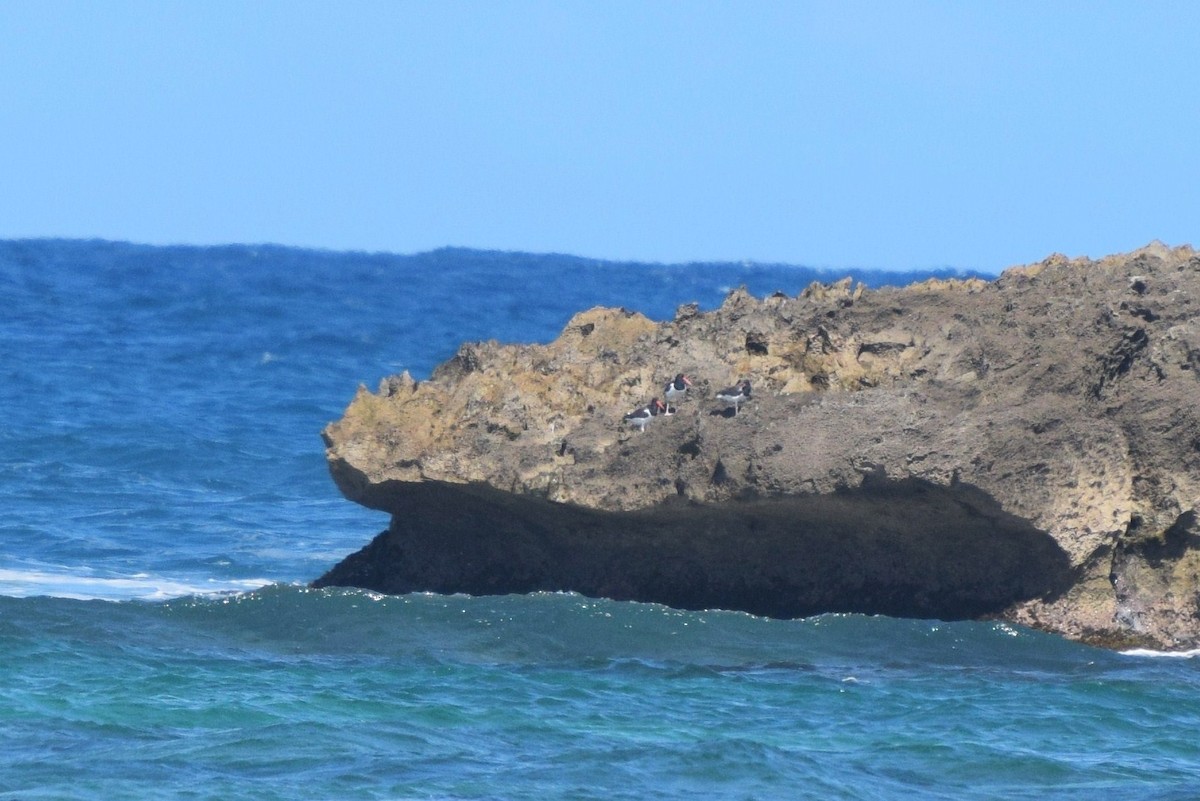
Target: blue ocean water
165	501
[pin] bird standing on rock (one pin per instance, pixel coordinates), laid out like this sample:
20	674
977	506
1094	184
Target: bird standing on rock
736	395
676	390
639	417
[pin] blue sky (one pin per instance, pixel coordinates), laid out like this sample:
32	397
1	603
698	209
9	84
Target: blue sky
840	134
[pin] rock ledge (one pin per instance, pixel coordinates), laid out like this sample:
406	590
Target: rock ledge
1025	449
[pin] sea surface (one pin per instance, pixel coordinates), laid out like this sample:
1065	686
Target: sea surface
164	500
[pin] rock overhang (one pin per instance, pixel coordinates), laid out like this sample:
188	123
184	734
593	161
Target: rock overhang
903	548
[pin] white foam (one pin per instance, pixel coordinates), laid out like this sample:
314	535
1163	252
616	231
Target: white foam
1172	654
138	586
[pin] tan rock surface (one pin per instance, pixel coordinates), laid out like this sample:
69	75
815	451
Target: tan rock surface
1044	425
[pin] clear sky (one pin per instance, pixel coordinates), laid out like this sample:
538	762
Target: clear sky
843	134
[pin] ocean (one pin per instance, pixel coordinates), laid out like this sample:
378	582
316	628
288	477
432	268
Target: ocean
165	502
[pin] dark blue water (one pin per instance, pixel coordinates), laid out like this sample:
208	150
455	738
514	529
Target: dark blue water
165	499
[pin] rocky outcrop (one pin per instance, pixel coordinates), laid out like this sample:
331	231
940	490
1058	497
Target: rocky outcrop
1027	448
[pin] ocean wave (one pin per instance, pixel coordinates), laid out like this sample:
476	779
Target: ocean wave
1150	652
16	583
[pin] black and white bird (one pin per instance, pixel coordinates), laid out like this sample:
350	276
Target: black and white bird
676	390
736	395
639	417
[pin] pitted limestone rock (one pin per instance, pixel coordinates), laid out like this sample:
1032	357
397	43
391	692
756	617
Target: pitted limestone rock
1055	406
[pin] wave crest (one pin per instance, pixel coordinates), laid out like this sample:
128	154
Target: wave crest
17	583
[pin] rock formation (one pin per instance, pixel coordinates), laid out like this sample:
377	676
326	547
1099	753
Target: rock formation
1025	449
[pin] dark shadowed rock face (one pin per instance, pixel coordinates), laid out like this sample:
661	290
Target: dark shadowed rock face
906	548
1027	449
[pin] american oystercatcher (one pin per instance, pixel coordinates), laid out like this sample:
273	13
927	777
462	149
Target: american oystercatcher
639	417
676	390
736	395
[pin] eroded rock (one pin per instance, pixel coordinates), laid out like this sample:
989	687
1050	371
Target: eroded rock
1027	448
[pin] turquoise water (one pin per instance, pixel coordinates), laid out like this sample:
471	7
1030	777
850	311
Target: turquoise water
166	499
286	692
